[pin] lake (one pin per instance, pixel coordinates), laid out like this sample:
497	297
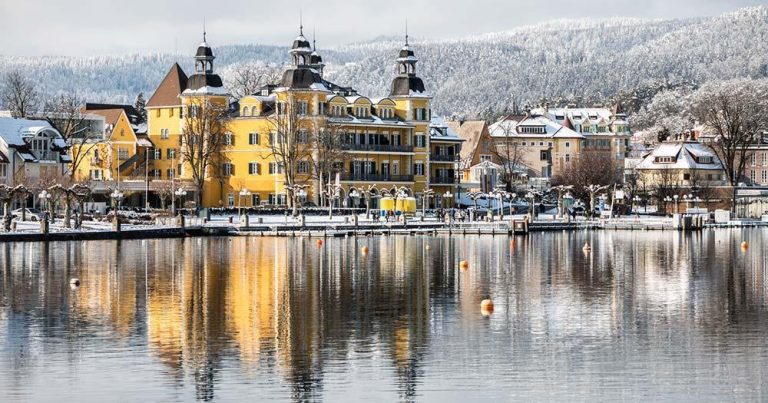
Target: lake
644	315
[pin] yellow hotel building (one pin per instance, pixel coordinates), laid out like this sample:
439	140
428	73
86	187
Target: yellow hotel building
390	142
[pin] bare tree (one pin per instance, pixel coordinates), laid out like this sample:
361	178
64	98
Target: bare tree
203	139
737	111
666	183
328	153
290	143
19	95
164	190
246	79
65	114
509	154
583	172
71	193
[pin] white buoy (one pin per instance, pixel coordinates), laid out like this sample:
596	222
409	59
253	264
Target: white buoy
74	282
586	247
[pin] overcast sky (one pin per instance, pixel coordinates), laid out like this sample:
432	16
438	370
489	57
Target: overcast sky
95	27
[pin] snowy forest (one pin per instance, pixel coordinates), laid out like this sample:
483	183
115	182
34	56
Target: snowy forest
584	61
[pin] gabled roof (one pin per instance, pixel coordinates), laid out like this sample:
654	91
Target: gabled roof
471	131
441	131
685	155
111	116
13	131
167	93
511	126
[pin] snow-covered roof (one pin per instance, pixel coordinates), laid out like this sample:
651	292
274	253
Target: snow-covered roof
439	130
515	127
582	115
319	87
683	155
13	131
206	90
372	120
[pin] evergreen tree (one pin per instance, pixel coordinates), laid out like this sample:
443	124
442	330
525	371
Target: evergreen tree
141	106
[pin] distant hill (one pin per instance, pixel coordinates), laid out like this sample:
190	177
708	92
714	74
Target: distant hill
566	59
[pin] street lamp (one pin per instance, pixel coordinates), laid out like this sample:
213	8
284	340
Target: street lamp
424	201
355	195
636	201
569	198
500	194
560	189
531	195
180	193
676	197
447	195
688	199
46	198
243	193
116	196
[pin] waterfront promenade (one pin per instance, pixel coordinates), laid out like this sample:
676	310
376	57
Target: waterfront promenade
322	226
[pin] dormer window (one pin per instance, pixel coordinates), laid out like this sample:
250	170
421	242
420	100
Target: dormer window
704	159
532	129
664	160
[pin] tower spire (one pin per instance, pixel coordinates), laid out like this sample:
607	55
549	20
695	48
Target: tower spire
406	32
314	40
301	23
203	29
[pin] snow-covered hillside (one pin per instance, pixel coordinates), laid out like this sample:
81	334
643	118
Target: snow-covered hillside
573	59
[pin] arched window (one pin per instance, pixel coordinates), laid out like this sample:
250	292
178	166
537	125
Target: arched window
254	111
245	111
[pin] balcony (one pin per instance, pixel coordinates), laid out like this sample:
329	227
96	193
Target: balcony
378	147
443	158
362	177
442	180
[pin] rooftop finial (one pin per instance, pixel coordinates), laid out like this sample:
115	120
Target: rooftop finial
301	23
314	40
203	29
406	32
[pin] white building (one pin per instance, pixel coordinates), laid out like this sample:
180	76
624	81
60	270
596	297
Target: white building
30	150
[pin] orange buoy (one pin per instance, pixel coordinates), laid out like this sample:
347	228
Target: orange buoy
365	250
319	242
744	245
486	307
463	265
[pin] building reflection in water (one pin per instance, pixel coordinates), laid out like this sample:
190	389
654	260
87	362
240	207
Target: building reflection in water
288	308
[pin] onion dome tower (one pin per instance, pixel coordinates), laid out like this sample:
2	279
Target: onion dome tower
301	50
204	75
407	83
302	74
315	60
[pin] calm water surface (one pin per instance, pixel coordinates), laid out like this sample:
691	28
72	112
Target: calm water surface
644	316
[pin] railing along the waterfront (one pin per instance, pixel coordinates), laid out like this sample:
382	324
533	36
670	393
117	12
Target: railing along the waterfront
496	225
